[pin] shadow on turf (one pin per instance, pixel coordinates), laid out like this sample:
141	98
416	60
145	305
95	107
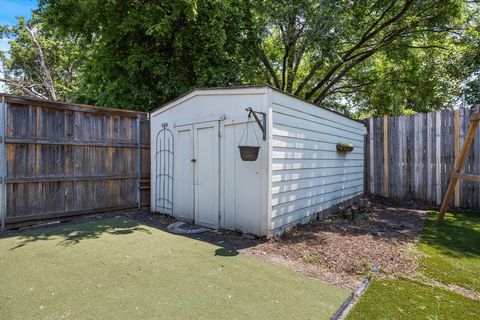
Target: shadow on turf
229	242
72	234
75	232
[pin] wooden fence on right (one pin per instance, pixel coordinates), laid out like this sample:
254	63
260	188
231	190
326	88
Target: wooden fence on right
412	157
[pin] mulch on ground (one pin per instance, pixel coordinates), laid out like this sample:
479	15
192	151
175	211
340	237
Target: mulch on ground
343	251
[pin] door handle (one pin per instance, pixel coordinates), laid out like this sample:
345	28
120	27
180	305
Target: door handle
194	160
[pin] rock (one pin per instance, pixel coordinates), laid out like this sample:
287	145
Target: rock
248	236
348	213
341	212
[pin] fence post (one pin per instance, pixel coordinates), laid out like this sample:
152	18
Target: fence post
372	158
3	163
456	152
438	157
429	197
385	156
139	167
139	162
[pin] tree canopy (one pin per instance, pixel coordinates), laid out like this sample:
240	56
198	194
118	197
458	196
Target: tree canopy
381	56
147	52
363	58
41	63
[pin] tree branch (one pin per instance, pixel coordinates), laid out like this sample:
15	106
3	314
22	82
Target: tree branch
296	64
341	74
48	82
26	89
368	35
268	66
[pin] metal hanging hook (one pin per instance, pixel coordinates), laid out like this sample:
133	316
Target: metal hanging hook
263	126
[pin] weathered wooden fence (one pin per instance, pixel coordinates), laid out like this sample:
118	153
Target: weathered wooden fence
412	157
59	159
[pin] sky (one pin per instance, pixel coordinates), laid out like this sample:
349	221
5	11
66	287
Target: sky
9	10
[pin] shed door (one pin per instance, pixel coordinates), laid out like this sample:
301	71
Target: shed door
183	180
199	174
207	174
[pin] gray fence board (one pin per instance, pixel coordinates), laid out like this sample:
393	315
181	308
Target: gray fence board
66	159
421	157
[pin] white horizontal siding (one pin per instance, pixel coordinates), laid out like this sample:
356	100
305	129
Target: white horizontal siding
292	202
299	184
301	109
314	135
294	164
304	154
336	130
300	174
305	144
309	209
308	174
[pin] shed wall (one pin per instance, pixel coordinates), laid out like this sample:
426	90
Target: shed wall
308	174
243	185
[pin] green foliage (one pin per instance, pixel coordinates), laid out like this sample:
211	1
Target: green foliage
63	58
471	61
409	112
342	146
472	91
146	53
368	57
403	80
362	58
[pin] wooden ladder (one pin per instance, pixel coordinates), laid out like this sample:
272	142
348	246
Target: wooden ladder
457	175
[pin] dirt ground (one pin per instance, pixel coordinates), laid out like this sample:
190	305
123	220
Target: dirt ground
342	252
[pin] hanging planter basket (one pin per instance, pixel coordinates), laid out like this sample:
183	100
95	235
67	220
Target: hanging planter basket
249	153
248	150
344	147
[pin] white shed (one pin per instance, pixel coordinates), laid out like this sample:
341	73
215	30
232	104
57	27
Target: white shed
199	176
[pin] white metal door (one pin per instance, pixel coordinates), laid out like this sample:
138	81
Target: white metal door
184	189
207	173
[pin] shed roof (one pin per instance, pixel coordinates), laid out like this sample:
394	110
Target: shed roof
193	92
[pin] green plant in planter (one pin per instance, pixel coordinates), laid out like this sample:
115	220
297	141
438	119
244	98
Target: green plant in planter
344	146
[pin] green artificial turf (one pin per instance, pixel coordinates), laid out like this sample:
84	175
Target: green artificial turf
406	299
120	269
451	252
